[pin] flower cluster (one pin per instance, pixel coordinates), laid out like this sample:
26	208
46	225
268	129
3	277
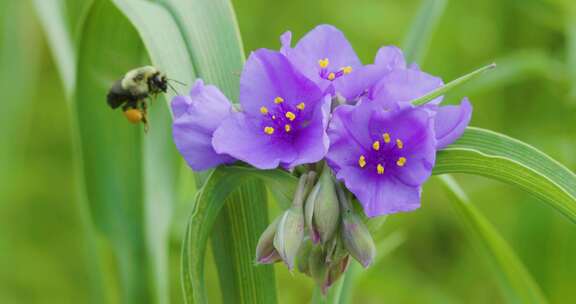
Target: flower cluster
316	103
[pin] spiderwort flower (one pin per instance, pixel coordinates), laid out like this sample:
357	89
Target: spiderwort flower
394	82
383	157
325	56
284	116
196	117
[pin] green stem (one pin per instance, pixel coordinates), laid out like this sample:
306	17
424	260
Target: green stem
451	85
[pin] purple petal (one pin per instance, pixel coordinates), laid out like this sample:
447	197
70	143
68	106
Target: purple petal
241	137
389	196
380	196
451	121
358	82
400	86
268	74
196	118
390	58
286	42
324	41
312	142
414	127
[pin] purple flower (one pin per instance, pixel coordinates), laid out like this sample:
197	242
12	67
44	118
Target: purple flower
398	84
284	116
325	56
382	156
196	117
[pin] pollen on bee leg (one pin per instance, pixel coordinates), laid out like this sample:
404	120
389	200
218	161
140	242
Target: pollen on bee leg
278	100
331	76
263	110
301	106
376	145
269	130
323	63
399	144
401	161
287	127
380	169
133	115
362	161
386	137
291	116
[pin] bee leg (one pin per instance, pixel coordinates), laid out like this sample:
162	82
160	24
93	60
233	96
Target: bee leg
144	106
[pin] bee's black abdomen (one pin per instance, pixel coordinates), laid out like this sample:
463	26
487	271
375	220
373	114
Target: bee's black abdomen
117	95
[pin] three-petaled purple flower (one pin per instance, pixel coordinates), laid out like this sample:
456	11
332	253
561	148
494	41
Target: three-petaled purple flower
383	156
283	119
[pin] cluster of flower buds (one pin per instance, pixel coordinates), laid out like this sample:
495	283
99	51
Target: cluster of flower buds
318	233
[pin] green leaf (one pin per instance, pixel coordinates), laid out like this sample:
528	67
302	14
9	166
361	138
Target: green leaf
416	42
211	34
222	184
520	287
451	85
60	19
497	156
129	177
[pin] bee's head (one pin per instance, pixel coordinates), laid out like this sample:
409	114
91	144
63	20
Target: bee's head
158	83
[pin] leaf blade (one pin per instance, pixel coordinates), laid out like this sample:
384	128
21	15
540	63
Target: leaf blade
500	157
518	283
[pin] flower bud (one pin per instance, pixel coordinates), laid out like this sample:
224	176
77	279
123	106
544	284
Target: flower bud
317	265
335	272
302	260
290	230
357	239
289	235
322	210
265	251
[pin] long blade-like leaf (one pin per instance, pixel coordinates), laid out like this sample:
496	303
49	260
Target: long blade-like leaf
416	42
129	177
494	155
221	183
521	288
211	34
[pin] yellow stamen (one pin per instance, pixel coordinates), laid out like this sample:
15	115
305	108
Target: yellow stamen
386	137
362	161
263	110
347	70
323	63
401	161
376	145
400	144
301	106
331	76
269	130
287	127
380	169
290	115
278	100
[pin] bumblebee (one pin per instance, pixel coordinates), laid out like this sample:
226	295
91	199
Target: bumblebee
132	92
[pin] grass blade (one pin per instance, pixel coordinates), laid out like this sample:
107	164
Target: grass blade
53	15
416	42
219	186
520	287
497	156
451	85
130	178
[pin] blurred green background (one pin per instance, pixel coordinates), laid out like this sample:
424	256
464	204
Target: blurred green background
531	96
